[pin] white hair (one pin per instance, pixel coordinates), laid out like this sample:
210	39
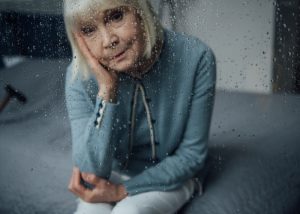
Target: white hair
74	10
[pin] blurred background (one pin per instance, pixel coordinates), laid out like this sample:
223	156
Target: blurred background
255	128
256	42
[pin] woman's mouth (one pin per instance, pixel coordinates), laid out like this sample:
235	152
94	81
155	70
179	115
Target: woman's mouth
119	55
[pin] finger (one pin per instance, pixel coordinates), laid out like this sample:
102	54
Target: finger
78	188
91	178
82	192
82	46
76	180
70	185
85	51
72	181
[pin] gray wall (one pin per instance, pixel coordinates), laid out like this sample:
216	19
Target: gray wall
241	33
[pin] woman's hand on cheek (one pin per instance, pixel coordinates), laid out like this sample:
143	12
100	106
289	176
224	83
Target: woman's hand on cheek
103	192
107	78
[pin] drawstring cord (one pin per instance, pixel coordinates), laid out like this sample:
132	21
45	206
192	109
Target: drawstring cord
133	118
151	130
149	122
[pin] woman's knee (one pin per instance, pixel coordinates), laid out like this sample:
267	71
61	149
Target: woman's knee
93	208
126	207
131	206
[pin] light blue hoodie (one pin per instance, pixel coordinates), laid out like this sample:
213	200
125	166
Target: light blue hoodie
157	132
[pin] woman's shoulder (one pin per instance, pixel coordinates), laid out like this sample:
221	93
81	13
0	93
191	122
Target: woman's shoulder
186	44
187	53
77	81
73	77
72	80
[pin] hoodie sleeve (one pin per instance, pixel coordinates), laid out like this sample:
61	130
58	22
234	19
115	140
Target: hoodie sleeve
190	156
91	127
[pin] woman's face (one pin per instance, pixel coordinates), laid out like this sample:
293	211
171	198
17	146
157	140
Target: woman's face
115	37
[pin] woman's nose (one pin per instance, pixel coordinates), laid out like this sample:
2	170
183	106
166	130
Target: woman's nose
109	39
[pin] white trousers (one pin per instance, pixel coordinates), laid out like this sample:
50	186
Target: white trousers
154	202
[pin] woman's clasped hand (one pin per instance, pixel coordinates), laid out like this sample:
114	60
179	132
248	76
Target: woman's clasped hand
103	191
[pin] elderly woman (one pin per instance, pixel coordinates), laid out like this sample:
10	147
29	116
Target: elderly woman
140	100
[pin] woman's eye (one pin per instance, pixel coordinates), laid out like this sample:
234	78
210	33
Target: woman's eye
115	16
87	30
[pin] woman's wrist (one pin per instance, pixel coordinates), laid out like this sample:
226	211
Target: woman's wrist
108	93
121	192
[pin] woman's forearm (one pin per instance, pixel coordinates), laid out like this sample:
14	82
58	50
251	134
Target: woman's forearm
108	93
